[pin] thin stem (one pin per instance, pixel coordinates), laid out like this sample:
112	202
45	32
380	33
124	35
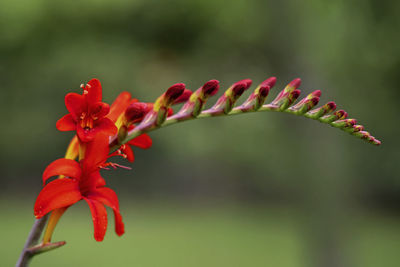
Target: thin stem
33	238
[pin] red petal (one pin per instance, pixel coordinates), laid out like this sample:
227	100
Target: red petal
57	194
85	135
119	225
105	195
184	97
96	153
94	91
66	167
66	123
91	181
103	126
142	141
99	110
106	126
127	150
99	217
75	104
108	197
119	105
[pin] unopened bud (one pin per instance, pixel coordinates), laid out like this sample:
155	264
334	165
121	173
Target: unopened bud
319	112
136	111
183	97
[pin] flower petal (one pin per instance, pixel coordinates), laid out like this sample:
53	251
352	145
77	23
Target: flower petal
66	123
85	135
108	197
105	126
119	224
75	104
94	94
119	106
57	194
96	153
66	167
99	217
99	110
127	150
92	181
142	141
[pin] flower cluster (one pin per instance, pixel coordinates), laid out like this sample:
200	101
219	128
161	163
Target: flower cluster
103	132
95	124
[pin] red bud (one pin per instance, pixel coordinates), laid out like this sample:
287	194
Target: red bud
248	83
175	91
183	97
239	87
264	90
316	93
295	83
269	82
331	105
136	111
211	87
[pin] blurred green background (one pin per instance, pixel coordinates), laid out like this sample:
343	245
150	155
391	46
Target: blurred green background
253	190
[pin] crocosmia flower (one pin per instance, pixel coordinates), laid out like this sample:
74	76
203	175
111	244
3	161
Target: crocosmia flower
81	181
87	114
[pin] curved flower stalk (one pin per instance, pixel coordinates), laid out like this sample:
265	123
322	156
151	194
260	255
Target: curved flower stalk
225	106
103	131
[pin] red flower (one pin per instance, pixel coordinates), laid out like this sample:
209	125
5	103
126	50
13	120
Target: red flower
81	181
142	141
125	111
87	113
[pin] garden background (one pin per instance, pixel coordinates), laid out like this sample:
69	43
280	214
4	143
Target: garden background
264	189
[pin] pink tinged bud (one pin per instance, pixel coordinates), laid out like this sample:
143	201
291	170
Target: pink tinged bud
294	95
319	112
247	82
239	87
175	91
340	114
183	97
264	90
330	106
269	82
197	100
256	99
358	128
348	123
210	88
316	93
376	142
293	85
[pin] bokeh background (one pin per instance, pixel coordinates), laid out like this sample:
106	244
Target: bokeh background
263	189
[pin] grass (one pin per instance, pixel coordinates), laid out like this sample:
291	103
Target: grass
179	235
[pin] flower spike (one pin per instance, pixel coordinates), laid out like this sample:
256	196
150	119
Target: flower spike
282	103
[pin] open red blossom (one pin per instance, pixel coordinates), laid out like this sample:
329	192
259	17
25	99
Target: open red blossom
87	113
133	112
142	141
81	181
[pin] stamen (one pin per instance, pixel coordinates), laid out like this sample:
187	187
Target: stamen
114	166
